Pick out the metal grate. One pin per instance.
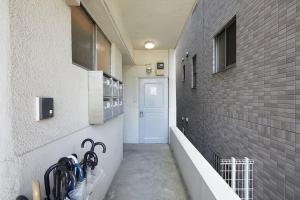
(238, 173)
(216, 159)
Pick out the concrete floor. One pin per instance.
(148, 172)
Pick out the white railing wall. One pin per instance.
(201, 179)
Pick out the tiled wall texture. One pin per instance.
(252, 109)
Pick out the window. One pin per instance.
(194, 72)
(183, 73)
(90, 47)
(103, 48)
(82, 38)
(225, 47)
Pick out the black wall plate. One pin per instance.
(44, 108)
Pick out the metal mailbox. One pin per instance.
(115, 88)
(105, 97)
(108, 110)
(107, 86)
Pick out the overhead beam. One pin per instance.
(73, 2)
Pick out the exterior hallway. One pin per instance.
(147, 172)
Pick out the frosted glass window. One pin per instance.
(103, 52)
(82, 38)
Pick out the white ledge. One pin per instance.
(201, 179)
(73, 2)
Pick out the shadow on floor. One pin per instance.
(148, 172)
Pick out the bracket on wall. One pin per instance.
(148, 68)
(187, 54)
(73, 2)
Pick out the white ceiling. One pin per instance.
(161, 21)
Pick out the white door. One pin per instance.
(153, 104)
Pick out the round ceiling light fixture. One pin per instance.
(149, 45)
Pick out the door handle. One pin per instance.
(141, 114)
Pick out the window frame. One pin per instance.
(98, 29)
(94, 45)
(93, 41)
(216, 67)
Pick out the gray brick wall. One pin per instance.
(252, 109)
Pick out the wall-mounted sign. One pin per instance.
(153, 91)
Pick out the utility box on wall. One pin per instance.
(44, 108)
(160, 69)
(105, 97)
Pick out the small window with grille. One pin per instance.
(225, 47)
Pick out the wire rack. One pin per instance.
(216, 159)
(238, 173)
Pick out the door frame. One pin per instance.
(138, 94)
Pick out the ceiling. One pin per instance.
(161, 21)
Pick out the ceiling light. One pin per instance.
(149, 45)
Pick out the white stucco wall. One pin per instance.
(39, 48)
(131, 75)
(172, 88)
(42, 66)
(34, 163)
(116, 62)
(4, 81)
(8, 184)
